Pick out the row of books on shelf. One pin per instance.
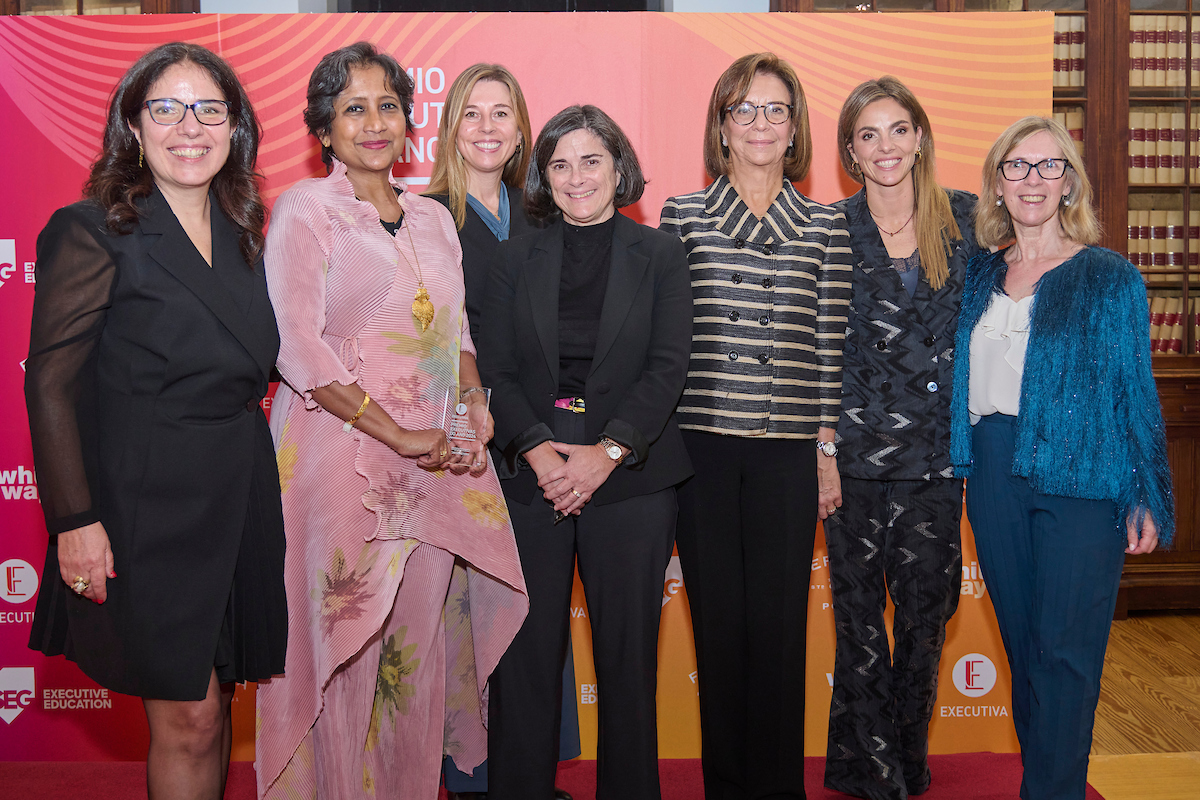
(1072, 120)
(1167, 322)
(1158, 151)
(1156, 241)
(1070, 43)
(1158, 55)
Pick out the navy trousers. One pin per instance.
(1052, 567)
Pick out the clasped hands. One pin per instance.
(569, 483)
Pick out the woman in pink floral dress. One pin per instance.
(404, 584)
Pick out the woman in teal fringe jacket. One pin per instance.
(1056, 421)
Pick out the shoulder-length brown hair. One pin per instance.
(539, 199)
(732, 88)
(449, 170)
(933, 217)
(994, 226)
(117, 180)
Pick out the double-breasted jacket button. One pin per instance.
(929, 340)
(762, 358)
(768, 249)
(251, 405)
(734, 316)
(932, 386)
(767, 283)
(736, 277)
(739, 242)
(764, 320)
(886, 386)
(733, 355)
(881, 345)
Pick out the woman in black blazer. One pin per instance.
(897, 530)
(152, 341)
(585, 342)
(480, 180)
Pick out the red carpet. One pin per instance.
(967, 776)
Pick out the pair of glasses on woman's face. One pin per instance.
(1049, 168)
(169, 111)
(745, 112)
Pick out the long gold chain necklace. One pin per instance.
(422, 307)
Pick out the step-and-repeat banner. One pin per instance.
(974, 73)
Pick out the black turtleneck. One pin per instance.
(587, 255)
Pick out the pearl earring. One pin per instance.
(999, 202)
(1066, 201)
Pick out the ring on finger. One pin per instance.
(577, 494)
(80, 584)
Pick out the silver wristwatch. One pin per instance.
(828, 448)
(612, 450)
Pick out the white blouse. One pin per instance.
(998, 357)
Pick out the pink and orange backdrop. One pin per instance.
(975, 73)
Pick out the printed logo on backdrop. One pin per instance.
(972, 581)
(974, 676)
(8, 263)
(16, 691)
(18, 581)
(18, 483)
(75, 699)
(673, 580)
(426, 116)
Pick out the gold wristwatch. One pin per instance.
(612, 450)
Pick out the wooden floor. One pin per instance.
(1147, 738)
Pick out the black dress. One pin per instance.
(145, 371)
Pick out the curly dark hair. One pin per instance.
(332, 75)
(539, 202)
(117, 180)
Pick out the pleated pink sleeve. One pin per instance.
(297, 267)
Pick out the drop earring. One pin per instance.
(140, 154)
(999, 201)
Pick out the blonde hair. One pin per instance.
(732, 88)
(993, 224)
(449, 170)
(933, 218)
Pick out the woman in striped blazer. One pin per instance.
(771, 275)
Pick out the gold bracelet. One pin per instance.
(349, 425)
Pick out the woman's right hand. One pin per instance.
(428, 447)
(85, 553)
(543, 459)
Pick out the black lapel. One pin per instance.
(175, 253)
(624, 278)
(543, 273)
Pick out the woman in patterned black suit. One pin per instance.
(898, 526)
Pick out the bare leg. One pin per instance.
(227, 690)
(189, 753)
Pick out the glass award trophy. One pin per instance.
(464, 413)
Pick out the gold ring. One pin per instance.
(577, 494)
(80, 585)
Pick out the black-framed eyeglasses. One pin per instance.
(1049, 168)
(745, 112)
(169, 111)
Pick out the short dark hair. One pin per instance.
(118, 179)
(539, 202)
(332, 75)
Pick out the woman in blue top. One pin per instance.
(1061, 433)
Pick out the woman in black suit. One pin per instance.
(152, 341)
(480, 171)
(480, 180)
(585, 342)
(897, 531)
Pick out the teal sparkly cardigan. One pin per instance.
(1090, 424)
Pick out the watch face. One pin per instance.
(614, 451)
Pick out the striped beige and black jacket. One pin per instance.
(771, 297)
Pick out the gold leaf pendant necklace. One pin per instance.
(422, 307)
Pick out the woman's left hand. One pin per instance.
(586, 470)
(829, 486)
(1149, 536)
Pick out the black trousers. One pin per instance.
(747, 521)
(902, 538)
(623, 549)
